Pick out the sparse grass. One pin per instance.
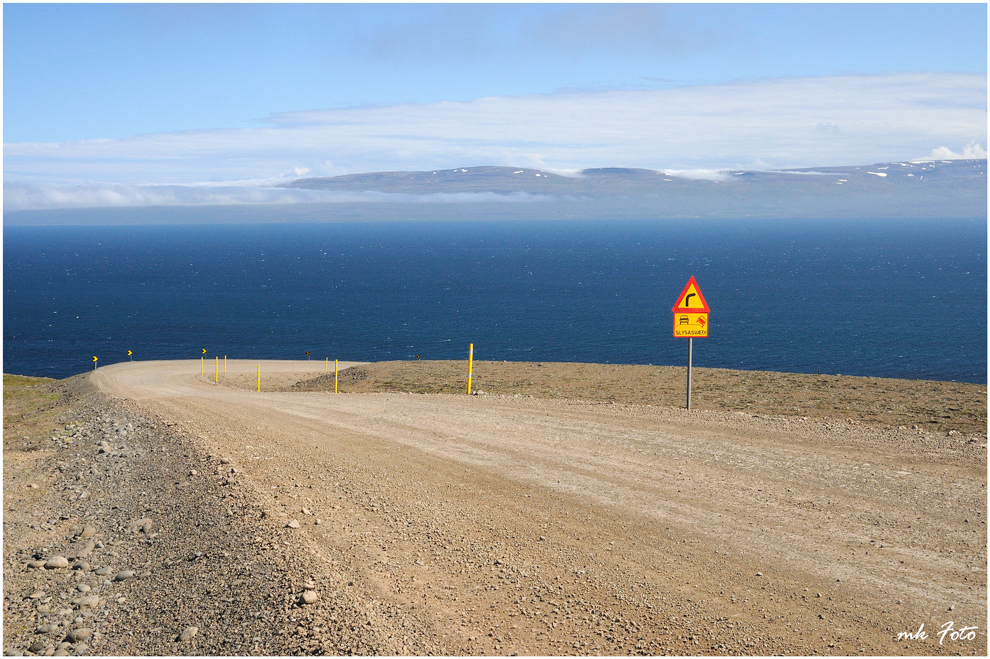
(29, 407)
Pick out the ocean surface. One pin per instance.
(904, 299)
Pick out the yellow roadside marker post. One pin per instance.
(216, 375)
(225, 364)
(202, 364)
(334, 375)
(94, 362)
(130, 355)
(259, 378)
(326, 365)
(470, 365)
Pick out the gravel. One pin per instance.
(179, 551)
(513, 526)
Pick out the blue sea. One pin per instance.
(904, 299)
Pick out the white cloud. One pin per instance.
(970, 151)
(699, 174)
(33, 196)
(776, 123)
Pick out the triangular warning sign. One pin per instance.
(691, 300)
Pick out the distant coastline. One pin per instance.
(897, 190)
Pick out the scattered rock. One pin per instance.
(36, 564)
(88, 602)
(86, 549)
(87, 532)
(123, 575)
(103, 571)
(57, 562)
(80, 634)
(38, 646)
(294, 524)
(188, 633)
(309, 597)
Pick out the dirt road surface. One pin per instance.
(504, 524)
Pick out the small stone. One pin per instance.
(81, 634)
(145, 574)
(104, 571)
(318, 521)
(309, 597)
(294, 524)
(83, 588)
(759, 574)
(33, 486)
(306, 511)
(46, 629)
(87, 532)
(87, 602)
(225, 461)
(81, 565)
(56, 562)
(37, 646)
(36, 564)
(193, 472)
(124, 575)
(37, 595)
(188, 633)
(86, 549)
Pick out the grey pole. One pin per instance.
(690, 341)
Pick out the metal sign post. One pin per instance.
(690, 341)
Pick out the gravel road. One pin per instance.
(288, 522)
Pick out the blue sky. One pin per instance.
(133, 95)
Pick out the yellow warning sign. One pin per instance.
(691, 300)
(690, 325)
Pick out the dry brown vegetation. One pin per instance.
(941, 406)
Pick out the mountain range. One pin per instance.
(931, 188)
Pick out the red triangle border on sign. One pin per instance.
(701, 298)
